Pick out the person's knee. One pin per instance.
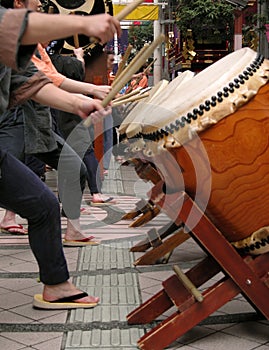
(49, 204)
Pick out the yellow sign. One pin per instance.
(141, 13)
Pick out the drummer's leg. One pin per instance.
(23, 192)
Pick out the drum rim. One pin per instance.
(155, 128)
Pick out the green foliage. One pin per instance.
(138, 36)
(210, 20)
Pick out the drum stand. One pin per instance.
(158, 249)
(146, 210)
(247, 275)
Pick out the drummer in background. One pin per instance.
(139, 80)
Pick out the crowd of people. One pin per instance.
(44, 98)
(22, 84)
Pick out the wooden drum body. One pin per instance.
(220, 148)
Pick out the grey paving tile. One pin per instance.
(237, 306)
(6, 343)
(31, 339)
(14, 299)
(40, 315)
(253, 331)
(223, 342)
(7, 317)
(22, 267)
(50, 344)
(18, 284)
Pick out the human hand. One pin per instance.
(102, 26)
(87, 106)
(79, 53)
(100, 91)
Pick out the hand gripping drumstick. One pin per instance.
(128, 73)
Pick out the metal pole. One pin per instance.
(157, 73)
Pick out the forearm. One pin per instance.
(45, 27)
(56, 98)
(98, 91)
(56, 26)
(79, 87)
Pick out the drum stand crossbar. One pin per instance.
(247, 275)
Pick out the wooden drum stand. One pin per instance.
(247, 275)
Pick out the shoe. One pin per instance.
(63, 303)
(15, 230)
(103, 202)
(80, 242)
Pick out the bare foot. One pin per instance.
(73, 231)
(65, 289)
(100, 198)
(9, 225)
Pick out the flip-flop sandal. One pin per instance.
(85, 211)
(63, 303)
(17, 230)
(80, 242)
(108, 201)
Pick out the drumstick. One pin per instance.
(130, 99)
(134, 60)
(122, 14)
(129, 73)
(123, 97)
(123, 61)
(128, 9)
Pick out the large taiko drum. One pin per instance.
(83, 8)
(216, 127)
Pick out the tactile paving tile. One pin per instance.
(114, 339)
(116, 283)
(114, 255)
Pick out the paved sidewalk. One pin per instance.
(108, 271)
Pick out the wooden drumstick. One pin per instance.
(130, 99)
(123, 61)
(122, 14)
(129, 73)
(134, 60)
(123, 97)
(128, 9)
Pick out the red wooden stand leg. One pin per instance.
(248, 276)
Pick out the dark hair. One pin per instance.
(8, 4)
